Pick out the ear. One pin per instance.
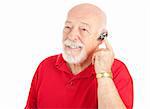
(102, 33)
(103, 30)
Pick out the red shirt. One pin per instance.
(54, 86)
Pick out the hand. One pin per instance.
(103, 58)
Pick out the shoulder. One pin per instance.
(118, 63)
(48, 61)
(120, 70)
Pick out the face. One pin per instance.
(79, 39)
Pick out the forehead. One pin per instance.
(77, 22)
(80, 19)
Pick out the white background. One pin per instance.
(32, 30)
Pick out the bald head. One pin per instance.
(84, 24)
(89, 11)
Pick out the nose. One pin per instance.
(74, 34)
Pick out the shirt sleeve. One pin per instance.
(32, 97)
(124, 83)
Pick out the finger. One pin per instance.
(93, 59)
(94, 54)
(99, 49)
(107, 44)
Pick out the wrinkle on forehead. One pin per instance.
(88, 11)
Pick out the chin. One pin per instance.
(78, 59)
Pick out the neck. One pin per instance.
(77, 68)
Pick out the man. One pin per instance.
(84, 75)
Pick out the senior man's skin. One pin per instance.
(84, 24)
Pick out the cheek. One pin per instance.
(64, 36)
(91, 46)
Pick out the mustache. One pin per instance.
(72, 43)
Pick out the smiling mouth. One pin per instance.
(73, 47)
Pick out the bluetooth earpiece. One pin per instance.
(102, 36)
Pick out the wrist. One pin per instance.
(104, 75)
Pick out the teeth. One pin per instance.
(72, 44)
(74, 47)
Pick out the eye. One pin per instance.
(84, 29)
(67, 29)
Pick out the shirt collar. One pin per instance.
(61, 64)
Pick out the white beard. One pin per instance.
(67, 55)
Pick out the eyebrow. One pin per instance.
(68, 21)
(85, 24)
(80, 22)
